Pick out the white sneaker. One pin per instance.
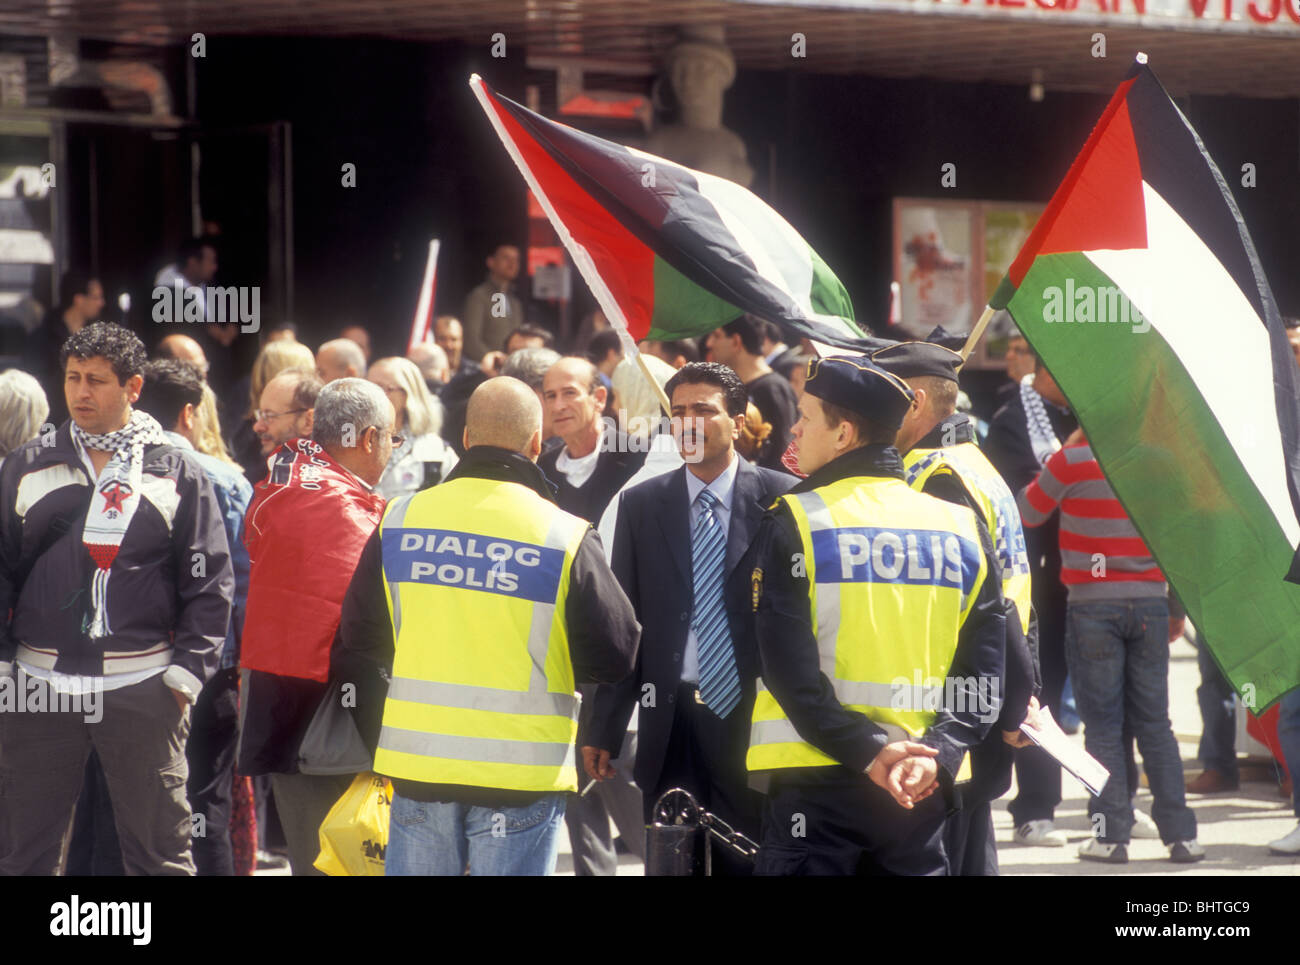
(1094, 850)
(1041, 832)
(1287, 845)
(1186, 852)
(1143, 826)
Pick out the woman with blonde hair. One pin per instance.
(207, 428)
(274, 358)
(423, 459)
(755, 432)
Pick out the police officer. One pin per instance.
(877, 623)
(489, 603)
(940, 458)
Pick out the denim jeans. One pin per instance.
(1288, 735)
(1118, 654)
(441, 838)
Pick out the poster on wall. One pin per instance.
(935, 265)
(948, 258)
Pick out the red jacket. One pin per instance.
(305, 529)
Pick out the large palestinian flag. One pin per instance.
(1140, 289)
(670, 252)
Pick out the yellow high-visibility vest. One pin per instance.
(997, 506)
(476, 575)
(892, 576)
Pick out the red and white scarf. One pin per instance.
(116, 498)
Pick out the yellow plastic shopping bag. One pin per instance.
(354, 835)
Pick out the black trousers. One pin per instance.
(969, 842)
(706, 756)
(214, 738)
(1038, 776)
(840, 823)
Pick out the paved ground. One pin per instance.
(1233, 827)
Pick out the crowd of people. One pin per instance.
(825, 599)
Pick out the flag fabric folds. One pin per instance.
(1141, 291)
(670, 252)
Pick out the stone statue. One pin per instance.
(700, 68)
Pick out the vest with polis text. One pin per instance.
(997, 505)
(476, 575)
(892, 576)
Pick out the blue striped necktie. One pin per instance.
(719, 680)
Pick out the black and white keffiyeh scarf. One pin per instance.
(1042, 437)
(117, 496)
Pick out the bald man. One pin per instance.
(500, 814)
(182, 348)
(340, 358)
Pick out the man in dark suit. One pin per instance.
(594, 462)
(680, 552)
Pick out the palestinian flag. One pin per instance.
(670, 252)
(1141, 290)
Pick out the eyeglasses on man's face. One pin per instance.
(267, 415)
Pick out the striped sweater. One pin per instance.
(1102, 555)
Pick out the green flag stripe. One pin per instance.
(828, 296)
(682, 309)
(1173, 468)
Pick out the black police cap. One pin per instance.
(910, 360)
(856, 383)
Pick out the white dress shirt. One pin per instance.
(724, 487)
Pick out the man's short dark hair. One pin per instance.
(193, 248)
(108, 340)
(602, 343)
(168, 385)
(289, 327)
(773, 332)
(528, 330)
(750, 330)
(716, 374)
(687, 348)
(869, 430)
(75, 281)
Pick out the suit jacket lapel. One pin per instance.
(676, 524)
(746, 513)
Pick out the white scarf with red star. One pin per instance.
(116, 498)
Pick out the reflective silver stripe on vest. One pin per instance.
(469, 697)
(783, 732)
(539, 633)
(868, 693)
(394, 519)
(828, 594)
(905, 697)
(484, 750)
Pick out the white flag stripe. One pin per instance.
(780, 255)
(1178, 285)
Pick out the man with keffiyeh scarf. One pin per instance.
(1032, 425)
(115, 578)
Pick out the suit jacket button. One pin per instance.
(671, 698)
(686, 616)
(677, 656)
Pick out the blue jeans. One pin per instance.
(442, 838)
(1288, 735)
(1118, 655)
